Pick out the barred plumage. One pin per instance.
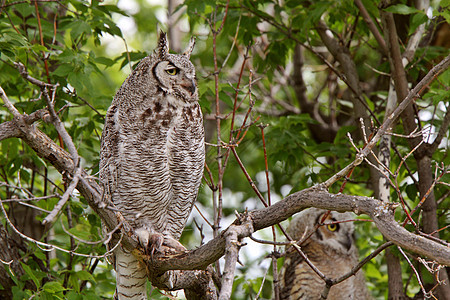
(152, 155)
(331, 249)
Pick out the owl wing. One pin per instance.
(290, 283)
(108, 170)
(186, 163)
(298, 280)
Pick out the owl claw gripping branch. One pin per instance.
(156, 244)
(152, 158)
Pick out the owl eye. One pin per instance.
(333, 227)
(172, 71)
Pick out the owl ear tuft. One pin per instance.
(163, 45)
(189, 48)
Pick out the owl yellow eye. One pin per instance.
(172, 71)
(332, 227)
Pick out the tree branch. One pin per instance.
(8, 130)
(372, 27)
(233, 238)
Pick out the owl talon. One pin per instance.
(173, 244)
(155, 244)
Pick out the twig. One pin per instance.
(310, 264)
(105, 240)
(237, 93)
(203, 217)
(252, 184)
(417, 275)
(355, 269)
(443, 130)
(65, 197)
(413, 94)
(64, 135)
(232, 45)
(28, 199)
(271, 242)
(23, 72)
(403, 159)
(262, 284)
(12, 109)
(33, 206)
(425, 196)
(276, 286)
(50, 247)
(41, 36)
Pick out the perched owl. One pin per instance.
(152, 157)
(331, 248)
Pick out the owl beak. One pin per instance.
(347, 242)
(189, 85)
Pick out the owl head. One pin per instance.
(332, 235)
(175, 73)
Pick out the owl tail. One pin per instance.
(131, 276)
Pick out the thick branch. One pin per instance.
(398, 72)
(343, 56)
(8, 130)
(379, 211)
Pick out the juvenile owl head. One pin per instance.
(175, 73)
(336, 236)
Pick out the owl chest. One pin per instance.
(159, 129)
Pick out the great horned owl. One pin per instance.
(152, 157)
(331, 248)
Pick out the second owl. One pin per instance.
(331, 248)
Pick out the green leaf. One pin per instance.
(19, 293)
(81, 231)
(372, 271)
(78, 28)
(30, 273)
(75, 80)
(411, 191)
(104, 61)
(445, 3)
(53, 287)
(402, 9)
(112, 8)
(39, 47)
(416, 21)
(63, 70)
(72, 295)
(85, 275)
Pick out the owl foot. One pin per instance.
(163, 245)
(157, 244)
